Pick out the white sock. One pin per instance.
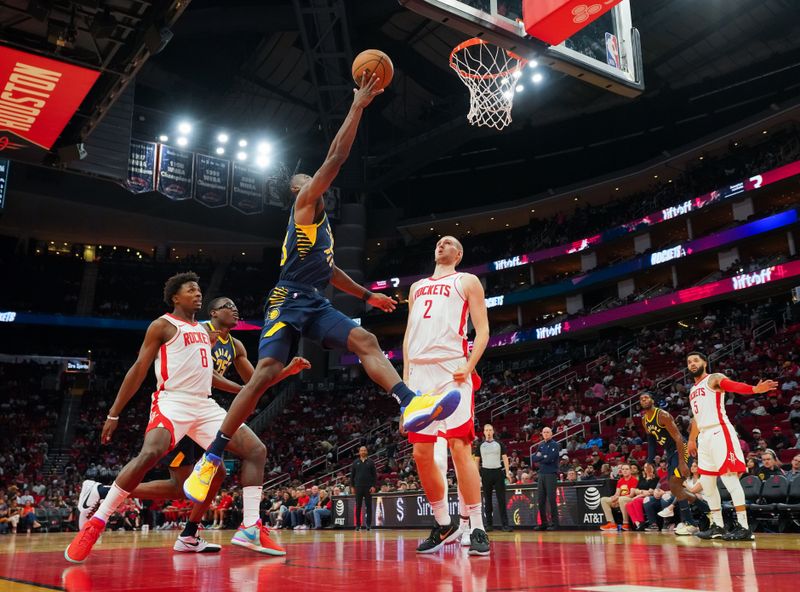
(440, 513)
(251, 499)
(463, 512)
(716, 516)
(475, 516)
(114, 499)
(742, 518)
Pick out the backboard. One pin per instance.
(606, 53)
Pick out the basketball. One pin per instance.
(373, 60)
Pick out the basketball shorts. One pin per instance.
(672, 464)
(437, 378)
(719, 451)
(199, 418)
(185, 454)
(294, 311)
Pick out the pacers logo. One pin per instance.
(592, 498)
(274, 313)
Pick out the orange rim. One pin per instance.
(489, 76)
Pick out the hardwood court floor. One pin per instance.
(385, 561)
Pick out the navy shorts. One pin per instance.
(186, 453)
(672, 464)
(294, 311)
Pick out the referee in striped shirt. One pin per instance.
(492, 457)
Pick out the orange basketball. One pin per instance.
(373, 60)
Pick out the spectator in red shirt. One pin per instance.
(223, 507)
(623, 495)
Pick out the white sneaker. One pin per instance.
(685, 529)
(667, 512)
(465, 536)
(195, 544)
(88, 501)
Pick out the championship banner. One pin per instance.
(578, 507)
(38, 97)
(247, 189)
(175, 169)
(211, 177)
(273, 193)
(141, 167)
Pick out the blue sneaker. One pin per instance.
(423, 410)
(256, 538)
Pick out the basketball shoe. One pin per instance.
(479, 542)
(195, 544)
(423, 410)
(256, 538)
(439, 537)
(88, 501)
(82, 544)
(197, 485)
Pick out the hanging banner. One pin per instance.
(141, 167)
(211, 176)
(247, 189)
(38, 98)
(175, 169)
(274, 197)
(333, 201)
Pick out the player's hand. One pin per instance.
(108, 429)
(683, 469)
(382, 302)
(297, 365)
(462, 374)
(691, 448)
(765, 386)
(367, 90)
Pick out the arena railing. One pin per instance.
(522, 391)
(276, 481)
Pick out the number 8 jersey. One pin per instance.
(437, 326)
(183, 364)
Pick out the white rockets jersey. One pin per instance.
(437, 324)
(708, 405)
(184, 364)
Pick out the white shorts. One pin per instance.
(186, 415)
(437, 378)
(719, 451)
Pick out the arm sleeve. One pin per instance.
(502, 448)
(731, 386)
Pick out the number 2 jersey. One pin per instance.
(184, 364)
(437, 328)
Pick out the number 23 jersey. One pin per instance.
(437, 327)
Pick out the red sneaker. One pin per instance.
(626, 526)
(609, 526)
(256, 538)
(82, 544)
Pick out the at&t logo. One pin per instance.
(339, 507)
(592, 498)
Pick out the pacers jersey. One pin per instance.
(183, 364)
(658, 432)
(223, 352)
(437, 322)
(708, 405)
(307, 253)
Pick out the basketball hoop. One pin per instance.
(490, 73)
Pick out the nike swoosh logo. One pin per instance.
(251, 537)
(191, 544)
(85, 506)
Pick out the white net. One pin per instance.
(491, 74)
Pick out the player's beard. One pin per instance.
(699, 372)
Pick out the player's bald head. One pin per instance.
(454, 250)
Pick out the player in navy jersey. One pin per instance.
(297, 308)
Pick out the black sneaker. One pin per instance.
(439, 537)
(507, 528)
(478, 542)
(715, 532)
(739, 533)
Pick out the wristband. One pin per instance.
(366, 296)
(109, 418)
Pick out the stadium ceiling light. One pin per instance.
(163, 138)
(185, 127)
(264, 148)
(220, 150)
(241, 155)
(182, 141)
(519, 88)
(533, 64)
(262, 161)
(222, 138)
(537, 77)
(242, 143)
(517, 74)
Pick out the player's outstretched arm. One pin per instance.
(310, 194)
(721, 382)
(341, 281)
(158, 333)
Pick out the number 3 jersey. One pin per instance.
(184, 364)
(437, 327)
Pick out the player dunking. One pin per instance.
(181, 350)
(661, 430)
(715, 444)
(437, 359)
(226, 351)
(297, 308)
